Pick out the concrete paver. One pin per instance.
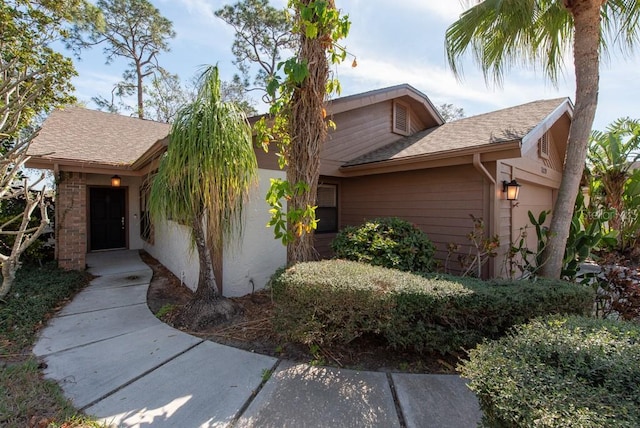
(204, 387)
(80, 329)
(96, 370)
(438, 401)
(112, 356)
(98, 299)
(122, 279)
(300, 395)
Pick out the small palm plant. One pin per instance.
(203, 182)
(611, 161)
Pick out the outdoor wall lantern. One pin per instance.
(115, 181)
(511, 189)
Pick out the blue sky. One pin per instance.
(395, 42)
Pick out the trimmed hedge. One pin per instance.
(559, 372)
(389, 241)
(336, 301)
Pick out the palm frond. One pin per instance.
(209, 166)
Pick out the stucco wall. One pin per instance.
(172, 248)
(247, 265)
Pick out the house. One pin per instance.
(391, 155)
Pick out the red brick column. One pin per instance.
(71, 220)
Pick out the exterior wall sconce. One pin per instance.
(115, 181)
(511, 189)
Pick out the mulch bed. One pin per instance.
(254, 332)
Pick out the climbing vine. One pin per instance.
(297, 123)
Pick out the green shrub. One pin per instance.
(390, 242)
(36, 293)
(336, 301)
(559, 372)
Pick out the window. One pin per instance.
(401, 118)
(146, 227)
(327, 208)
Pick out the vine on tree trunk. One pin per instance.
(298, 123)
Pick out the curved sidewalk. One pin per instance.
(116, 361)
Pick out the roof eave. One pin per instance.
(489, 152)
(38, 162)
(352, 102)
(532, 137)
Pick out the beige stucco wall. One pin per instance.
(172, 248)
(247, 265)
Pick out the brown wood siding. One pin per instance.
(361, 131)
(504, 231)
(267, 160)
(439, 201)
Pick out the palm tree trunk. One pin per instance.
(586, 16)
(308, 132)
(207, 290)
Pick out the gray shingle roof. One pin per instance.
(84, 135)
(497, 127)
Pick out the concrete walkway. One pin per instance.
(116, 361)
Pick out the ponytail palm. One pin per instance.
(504, 33)
(203, 181)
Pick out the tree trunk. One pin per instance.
(140, 92)
(9, 268)
(308, 132)
(207, 307)
(586, 16)
(207, 290)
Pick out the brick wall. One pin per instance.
(71, 220)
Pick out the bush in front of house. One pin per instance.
(559, 372)
(390, 242)
(337, 301)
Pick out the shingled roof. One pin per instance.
(82, 135)
(501, 126)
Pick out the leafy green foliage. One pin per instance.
(614, 185)
(41, 250)
(585, 236)
(263, 35)
(337, 301)
(482, 249)
(39, 291)
(390, 242)
(36, 293)
(299, 124)
(33, 77)
(559, 372)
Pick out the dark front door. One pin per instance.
(107, 214)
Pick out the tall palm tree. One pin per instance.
(502, 33)
(203, 182)
(611, 159)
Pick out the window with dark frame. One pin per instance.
(327, 208)
(146, 226)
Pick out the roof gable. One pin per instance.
(419, 102)
(81, 135)
(512, 124)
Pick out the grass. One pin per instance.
(26, 399)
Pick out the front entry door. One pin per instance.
(107, 214)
